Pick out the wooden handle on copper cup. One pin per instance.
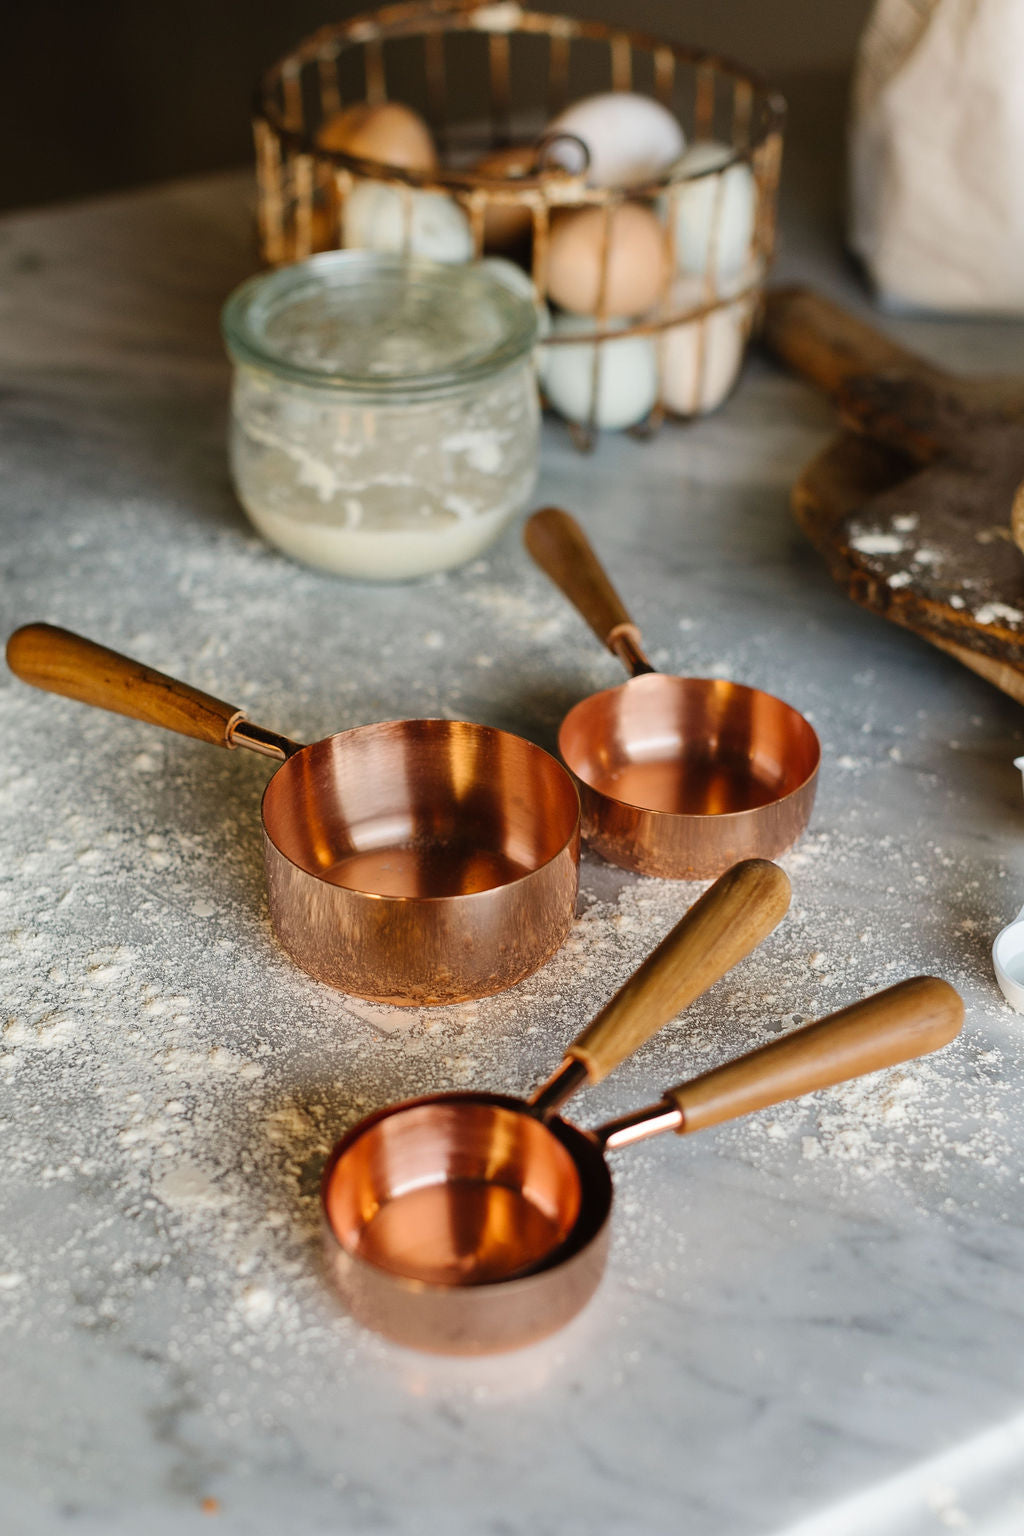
(719, 930)
(559, 546)
(907, 1020)
(61, 662)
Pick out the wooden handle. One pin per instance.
(559, 546)
(61, 662)
(829, 346)
(904, 1021)
(883, 390)
(724, 925)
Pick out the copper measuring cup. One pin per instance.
(548, 1228)
(678, 776)
(411, 862)
(430, 1202)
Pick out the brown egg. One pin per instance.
(637, 260)
(390, 133)
(506, 224)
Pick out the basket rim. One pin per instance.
(422, 17)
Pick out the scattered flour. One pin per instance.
(995, 613)
(188, 1186)
(173, 1084)
(878, 543)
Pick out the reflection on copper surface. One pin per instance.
(445, 790)
(690, 784)
(692, 746)
(464, 1232)
(462, 1223)
(421, 861)
(453, 1190)
(681, 776)
(441, 870)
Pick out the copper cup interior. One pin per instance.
(421, 808)
(462, 1190)
(689, 746)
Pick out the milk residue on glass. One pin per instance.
(385, 416)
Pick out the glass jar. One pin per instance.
(385, 417)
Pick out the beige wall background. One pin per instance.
(103, 94)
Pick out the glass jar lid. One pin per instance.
(380, 325)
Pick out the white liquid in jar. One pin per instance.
(385, 415)
(397, 554)
(384, 492)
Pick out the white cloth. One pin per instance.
(937, 154)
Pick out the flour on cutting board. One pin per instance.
(901, 561)
(993, 613)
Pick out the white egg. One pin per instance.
(519, 281)
(701, 358)
(374, 218)
(631, 138)
(513, 276)
(627, 381)
(714, 215)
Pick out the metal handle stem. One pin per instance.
(638, 1126)
(626, 642)
(245, 733)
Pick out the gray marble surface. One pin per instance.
(812, 1323)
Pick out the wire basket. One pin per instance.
(513, 70)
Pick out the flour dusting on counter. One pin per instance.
(835, 1285)
(214, 1149)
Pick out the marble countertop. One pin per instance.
(813, 1321)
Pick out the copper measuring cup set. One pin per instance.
(430, 861)
(411, 862)
(470, 1223)
(440, 1213)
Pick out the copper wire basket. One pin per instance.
(522, 67)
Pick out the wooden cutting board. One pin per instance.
(912, 504)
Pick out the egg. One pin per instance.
(627, 383)
(389, 132)
(630, 138)
(701, 358)
(715, 214)
(514, 277)
(373, 218)
(506, 224)
(637, 259)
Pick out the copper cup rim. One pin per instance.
(680, 817)
(589, 1163)
(384, 725)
